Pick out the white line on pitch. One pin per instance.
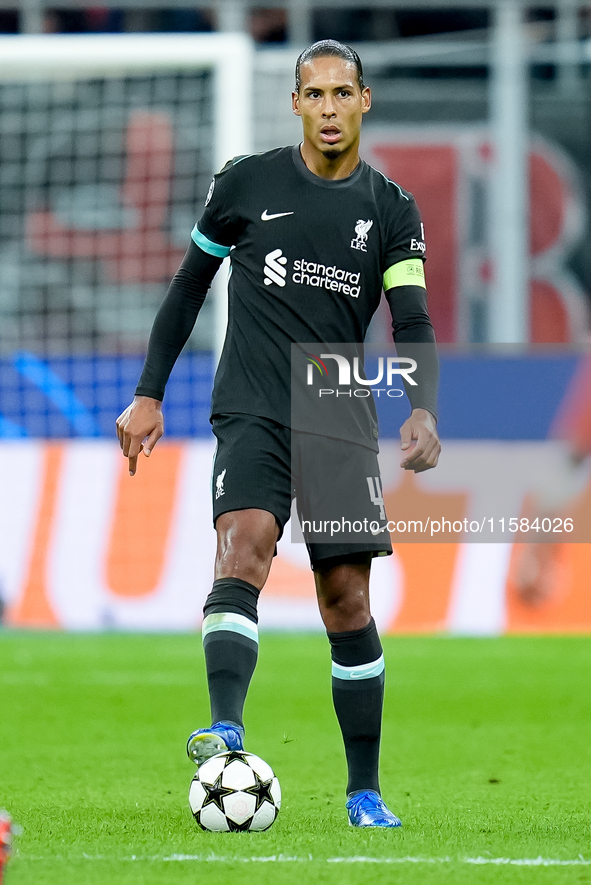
(517, 861)
(358, 859)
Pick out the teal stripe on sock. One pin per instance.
(362, 671)
(231, 622)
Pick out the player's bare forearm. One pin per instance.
(420, 429)
(139, 428)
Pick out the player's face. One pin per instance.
(331, 105)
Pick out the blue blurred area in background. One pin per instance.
(502, 397)
(493, 396)
(81, 396)
(481, 397)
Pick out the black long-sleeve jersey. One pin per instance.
(309, 258)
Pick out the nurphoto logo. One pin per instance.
(395, 367)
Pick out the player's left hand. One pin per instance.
(420, 429)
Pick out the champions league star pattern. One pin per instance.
(235, 791)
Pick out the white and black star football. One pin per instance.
(235, 791)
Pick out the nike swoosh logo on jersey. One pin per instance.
(266, 217)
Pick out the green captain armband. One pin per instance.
(405, 273)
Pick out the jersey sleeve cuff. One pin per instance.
(152, 392)
(405, 273)
(207, 245)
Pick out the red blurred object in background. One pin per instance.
(5, 841)
(448, 171)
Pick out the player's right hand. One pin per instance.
(139, 428)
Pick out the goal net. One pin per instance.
(108, 147)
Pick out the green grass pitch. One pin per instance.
(486, 756)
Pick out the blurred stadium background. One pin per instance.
(112, 122)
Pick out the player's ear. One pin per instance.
(365, 100)
(295, 103)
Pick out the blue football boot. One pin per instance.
(367, 809)
(219, 738)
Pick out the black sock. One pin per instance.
(230, 642)
(358, 695)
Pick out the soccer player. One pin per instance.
(313, 233)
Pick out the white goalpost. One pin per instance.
(108, 146)
(228, 56)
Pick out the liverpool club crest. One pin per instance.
(361, 229)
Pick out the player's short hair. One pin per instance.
(324, 48)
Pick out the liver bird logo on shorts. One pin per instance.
(362, 229)
(219, 484)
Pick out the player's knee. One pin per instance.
(349, 604)
(245, 545)
(344, 600)
(343, 592)
(258, 551)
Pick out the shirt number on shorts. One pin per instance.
(375, 494)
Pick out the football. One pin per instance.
(235, 792)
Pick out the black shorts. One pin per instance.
(264, 465)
